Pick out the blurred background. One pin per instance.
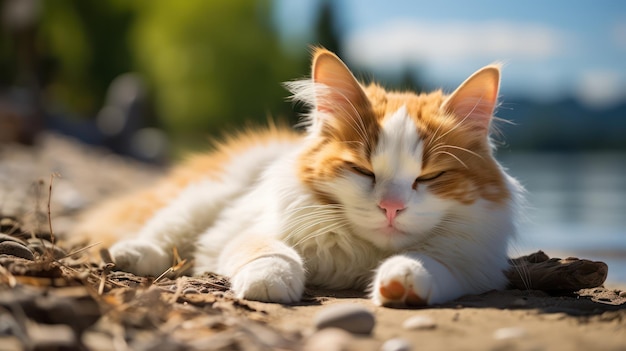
(152, 79)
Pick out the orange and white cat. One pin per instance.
(394, 191)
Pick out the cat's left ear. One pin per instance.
(474, 101)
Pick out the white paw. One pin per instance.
(140, 257)
(403, 281)
(270, 279)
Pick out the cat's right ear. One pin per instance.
(336, 89)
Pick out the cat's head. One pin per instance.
(398, 165)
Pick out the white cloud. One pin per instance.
(599, 88)
(409, 42)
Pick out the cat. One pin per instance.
(394, 193)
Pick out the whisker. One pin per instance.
(308, 225)
(320, 232)
(357, 122)
(324, 207)
(462, 120)
(451, 155)
(457, 148)
(304, 218)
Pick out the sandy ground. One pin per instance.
(192, 318)
(510, 320)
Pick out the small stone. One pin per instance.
(329, 339)
(353, 318)
(6, 237)
(43, 247)
(97, 340)
(419, 322)
(190, 291)
(396, 344)
(9, 225)
(622, 293)
(509, 333)
(52, 337)
(16, 249)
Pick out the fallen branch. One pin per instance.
(539, 272)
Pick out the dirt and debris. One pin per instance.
(59, 298)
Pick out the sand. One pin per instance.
(505, 320)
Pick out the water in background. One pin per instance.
(576, 206)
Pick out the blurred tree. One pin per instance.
(206, 63)
(211, 63)
(83, 48)
(409, 81)
(326, 28)
(328, 35)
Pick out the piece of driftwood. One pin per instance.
(539, 272)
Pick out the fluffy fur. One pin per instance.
(392, 190)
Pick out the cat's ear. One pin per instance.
(475, 100)
(337, 90)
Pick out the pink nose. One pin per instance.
(391, 208)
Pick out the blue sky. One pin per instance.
(549, 48)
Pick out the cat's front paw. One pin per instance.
(270, 279)
(140, 257)
(403, 281)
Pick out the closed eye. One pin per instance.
(361, 171)
(429, 176)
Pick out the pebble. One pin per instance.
(190, 291)
(9, 225)
(42, 246)
(509, 333)
(6, 237)
(329, 339)
(622, 293)
(396, 344)
(52, 337)
(16, 249)
(353, 318)
(419, 322)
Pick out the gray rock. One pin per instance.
(16, 249)
(10, 226)
(509, 333)
(419, 322)
(44, 247)
(329, 339)
(52, 337)
(396, 344)
(6, 237)
(353, 318)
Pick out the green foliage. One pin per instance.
(326, 31)
(211, 63)
(207, 63)
(82, 47)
